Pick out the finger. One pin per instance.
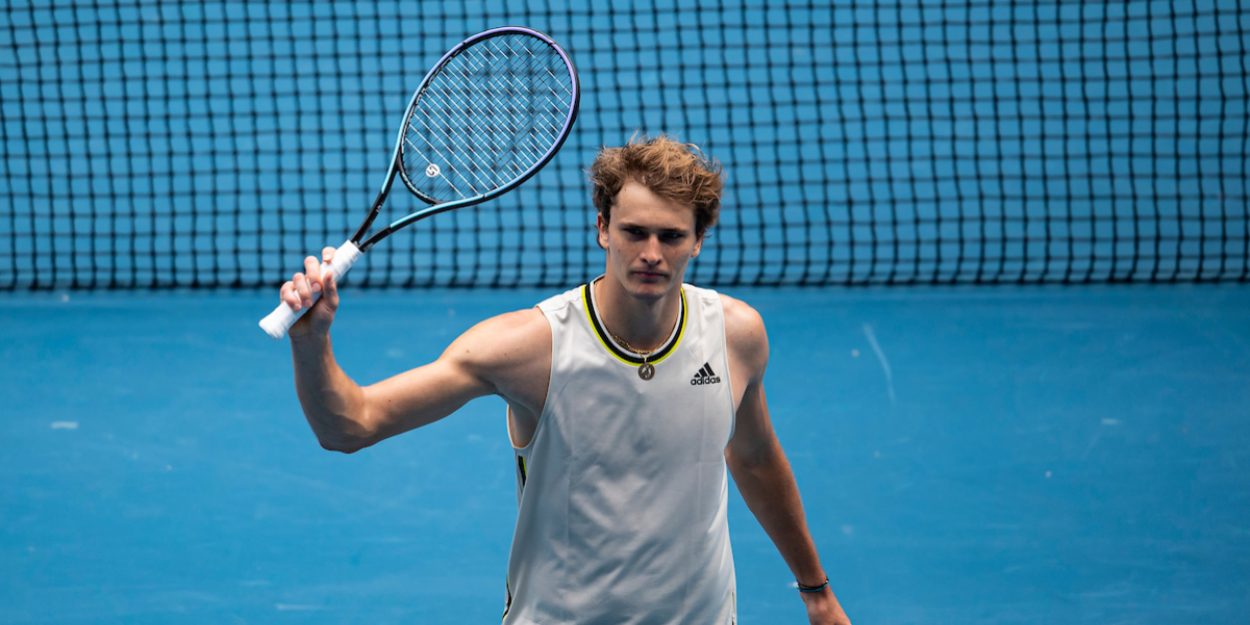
(331, 295)
(287, 294)
(302, 292)
(312, 268)
(327, 254)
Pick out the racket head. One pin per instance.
(491, 113)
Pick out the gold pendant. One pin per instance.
(646, 371)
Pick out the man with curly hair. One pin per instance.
(630, 399)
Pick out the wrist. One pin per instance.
(309, 339)
(811, 589)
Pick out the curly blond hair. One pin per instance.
(675, 171)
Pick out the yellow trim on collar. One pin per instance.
(604, 341)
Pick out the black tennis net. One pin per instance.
(155, 145)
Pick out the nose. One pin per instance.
(651, 251)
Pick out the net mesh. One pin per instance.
(155, 145)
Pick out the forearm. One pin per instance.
(768, 487)
(333, 404)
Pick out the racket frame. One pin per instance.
(397, 157)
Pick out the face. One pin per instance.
(649, 241)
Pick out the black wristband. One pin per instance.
(819, 588)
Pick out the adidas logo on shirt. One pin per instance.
(705, 376)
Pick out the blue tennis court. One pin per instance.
(1002, 250)
(1014, 455)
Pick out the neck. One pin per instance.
(645, 324)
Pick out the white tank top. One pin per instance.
(623, 491)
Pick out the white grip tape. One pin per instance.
(279, 321)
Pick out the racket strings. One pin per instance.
(483, 105)
(521, 137)
(542, 81)
(491, 113)
(469, 162)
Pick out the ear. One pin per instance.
(698, 245)
(602, 227)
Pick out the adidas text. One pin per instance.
(705, 375)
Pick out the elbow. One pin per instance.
(344, 433)
(343, 444)
(737, 464)
(751, 460)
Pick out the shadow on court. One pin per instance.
(1039, 455)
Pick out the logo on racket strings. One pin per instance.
(432, 171)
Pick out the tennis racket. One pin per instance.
(489, 115)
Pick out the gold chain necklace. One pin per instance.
(646, 370)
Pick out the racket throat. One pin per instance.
(368, 243)
(374, 211)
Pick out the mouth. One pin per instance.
(650, 276)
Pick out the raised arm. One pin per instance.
(508, 355)
(760, 468)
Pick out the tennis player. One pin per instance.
(627, 400)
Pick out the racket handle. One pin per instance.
(280, 320)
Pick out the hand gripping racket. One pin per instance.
(491, 113)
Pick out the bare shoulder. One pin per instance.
(503, 339)
(743, 325)
(745, 333)
(517, 321)
(510, 353)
